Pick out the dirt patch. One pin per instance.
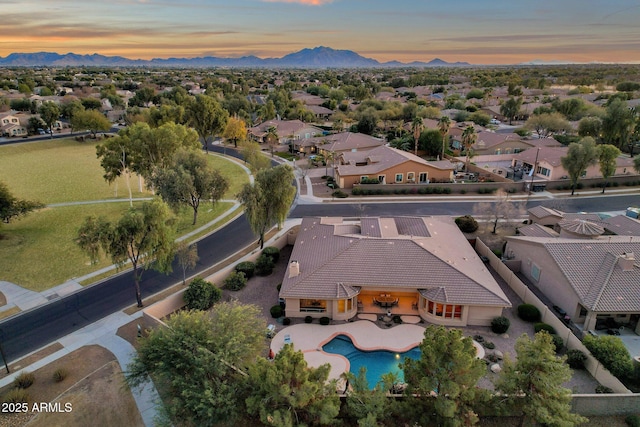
(33, 358)
(3, 299)
(87, 374)
(129, 332)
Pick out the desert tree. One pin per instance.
(49, 113)
(502, 210)
(189, 180)
(511, 108)
(11, 207)
(580, 156)
(267, 200)
(272, 138)
(618, 124)
(235, 131)
(116, 160)
(607, 155)
(143, 237)
(252, 155)
(533, 383)
(187, 256)
(92, 120)
(207, 117)
(547, 124)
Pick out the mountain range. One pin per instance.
(319, 57)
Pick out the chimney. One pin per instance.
(626, 261)
(294, 269)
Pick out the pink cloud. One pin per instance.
(307, 2)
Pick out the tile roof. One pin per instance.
(537, 230)
(426, 253)
(622, 225)
(593, 269)
(544, 212)
(581, 227)
(382, 158)
(346, 141)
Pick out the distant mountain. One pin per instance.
(318, 57)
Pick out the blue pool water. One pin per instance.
(378, 362)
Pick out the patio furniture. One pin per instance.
(287, 339)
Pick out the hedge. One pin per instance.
(529, 313)
(272, 252)
(500, 325)
(201, 295)
(247, 267)
(264, 265)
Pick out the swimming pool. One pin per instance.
(378, 362)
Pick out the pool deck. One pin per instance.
(309, 338)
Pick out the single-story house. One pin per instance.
(287, 130)
(592, 277)
(390, 165)
(419, 266)
(338, 143)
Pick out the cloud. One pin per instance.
(305, 2)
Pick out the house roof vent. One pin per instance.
(294, 269)
(626, 261)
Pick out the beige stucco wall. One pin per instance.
(482, 316)
(509, 145)
(347, 181)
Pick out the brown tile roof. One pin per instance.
(382, 158)
(426, 253)
(592, 268)
(346, 141)
(622, 225)
(581, 227)
(537, 230)
(487, 140)
(544, 212)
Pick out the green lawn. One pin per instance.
(38, 251)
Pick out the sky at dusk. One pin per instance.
(476, 31)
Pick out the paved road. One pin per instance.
(35, 328)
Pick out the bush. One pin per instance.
(201, 295)
(543, 327)
(236, 281)
(601, 389)
(397, 319)
(246, 267)
(488, 344)
(24, 380)
(264, 265)
(576, 359)
(286, 321)
(500, 325)
(632, 420)
(467, 224)
(16, 395)
(529, 313)
(308, 319)
(339, 194)
(273, 252)
(557, 342)
(276, 311)
(611, 352)
(478, 338)
(59, 375)
(325, 321)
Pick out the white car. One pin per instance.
(495, 122)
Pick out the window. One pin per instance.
(498, 151)
(411, 177)
(516, 150)
(399, 177)
(381, 179)
(423, 177)
(535, 272)
(313, 305)
(445, 311)
(543, 171)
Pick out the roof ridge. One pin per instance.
(606, 279)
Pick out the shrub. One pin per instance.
(276, 311)
(478, 338)
(601, 389)
(273, 252)
(557, 342)
(446, 190)
(235, 281)
(59, 375)
(632, 420)
(500, 325)
(247, 267)
(576, 359)
(339, 194)
(324, 321)
(308, 319)
(529, 313)
(488, 344)
(467, 224)
(24, 380)
(16, 395)
(397, 319)
(543, 327)
(286, 321)
(201, 295)
(611, 352)
(264, 265)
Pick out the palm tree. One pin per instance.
(469, 137)
(443, 126)
(272, 137)
(329, 156)
(416, 128)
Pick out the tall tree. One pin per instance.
(501, 209)
(12, 207)
(580, 156)
(363, 402)
(272, 138)
(469, 137)
(142, 236)
(187, 256)
(534, 383)
(115, 159)
(607, 155)
(590, 126)
(188, 180)
(92, 120)
(69, 109)
(443, 381)
(235, 131)
(207, 117)
(547, 124)
(252, 155)
(618, 124)
(200, 358)
(444, 124)
(286, 392)
(511, 108)
(268, 199)
(49, 113)
(416, 129)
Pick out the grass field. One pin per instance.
(38, 251)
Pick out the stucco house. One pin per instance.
(288, 131)
(10, 125)
(592, 277)
(337, 143)
(419, 266)
(390, 165)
